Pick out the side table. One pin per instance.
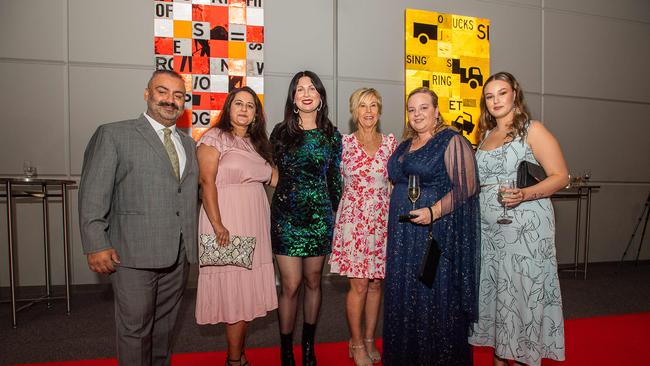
(42, 189)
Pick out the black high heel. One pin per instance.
(242, 361)
(286, 350)
(308, 353)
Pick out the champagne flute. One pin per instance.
(414, 188)
(505, 184)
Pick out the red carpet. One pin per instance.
(609, 340)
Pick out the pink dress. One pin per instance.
(228, 294)
(359, 243)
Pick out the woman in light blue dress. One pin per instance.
(520, 305)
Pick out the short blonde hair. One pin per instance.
(363, 95)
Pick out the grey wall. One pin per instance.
(68, 66)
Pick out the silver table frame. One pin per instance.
(11, 193)
(578, 192)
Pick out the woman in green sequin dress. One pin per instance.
(307, 152)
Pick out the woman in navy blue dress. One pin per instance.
(422, 325)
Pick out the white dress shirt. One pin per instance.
(176, 139)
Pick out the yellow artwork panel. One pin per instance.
(450, 54)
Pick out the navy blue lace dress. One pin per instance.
(422, 325)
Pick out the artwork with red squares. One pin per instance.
(216, 45)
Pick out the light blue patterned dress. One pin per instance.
(520, 305)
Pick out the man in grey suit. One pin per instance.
(138, 217)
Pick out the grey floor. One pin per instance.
(49, 335)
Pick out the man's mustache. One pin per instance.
(165, 104)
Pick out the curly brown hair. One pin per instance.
(521, 114)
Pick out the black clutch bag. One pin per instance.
(429, 264)
(529, 174)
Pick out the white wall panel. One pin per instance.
(117, 31)
(34, 118)
(101, 95)
(33, 29)
(596, 57)
(299, 35)
(610, 138)
(636, 10)
(614, 213)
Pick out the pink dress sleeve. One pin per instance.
(214, 138)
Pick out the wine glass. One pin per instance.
(504, 184)
(586, 174)
(414, 188)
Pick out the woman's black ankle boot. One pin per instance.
(308, 354)
(286, 350)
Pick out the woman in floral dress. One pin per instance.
(359, 244)
(520, 305)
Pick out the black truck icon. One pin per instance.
(465, 126)
(471, 75)
(425, 32)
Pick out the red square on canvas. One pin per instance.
(163, 46)
(254, 34)
(216, 15)
(218, 49)
(185, 120)
(198, 13)
(218, 99)
(200, 65)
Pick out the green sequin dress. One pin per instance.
(307, 195)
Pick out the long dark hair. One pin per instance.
(288, 132)
(521, 114)
(256, 130)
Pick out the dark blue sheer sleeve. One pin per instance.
(462, 203)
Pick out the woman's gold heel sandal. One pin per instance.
(373, 353)
(359, 358)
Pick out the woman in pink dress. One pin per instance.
(359, 243)
(234, 164)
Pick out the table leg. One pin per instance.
(46, 245)
(66, 245)
(587, 231)
(10, 241)
(576, 254)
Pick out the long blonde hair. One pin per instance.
(521, 114)
(409, 132)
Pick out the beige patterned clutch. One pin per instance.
(238, 252)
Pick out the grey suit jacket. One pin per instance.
(130, 199)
